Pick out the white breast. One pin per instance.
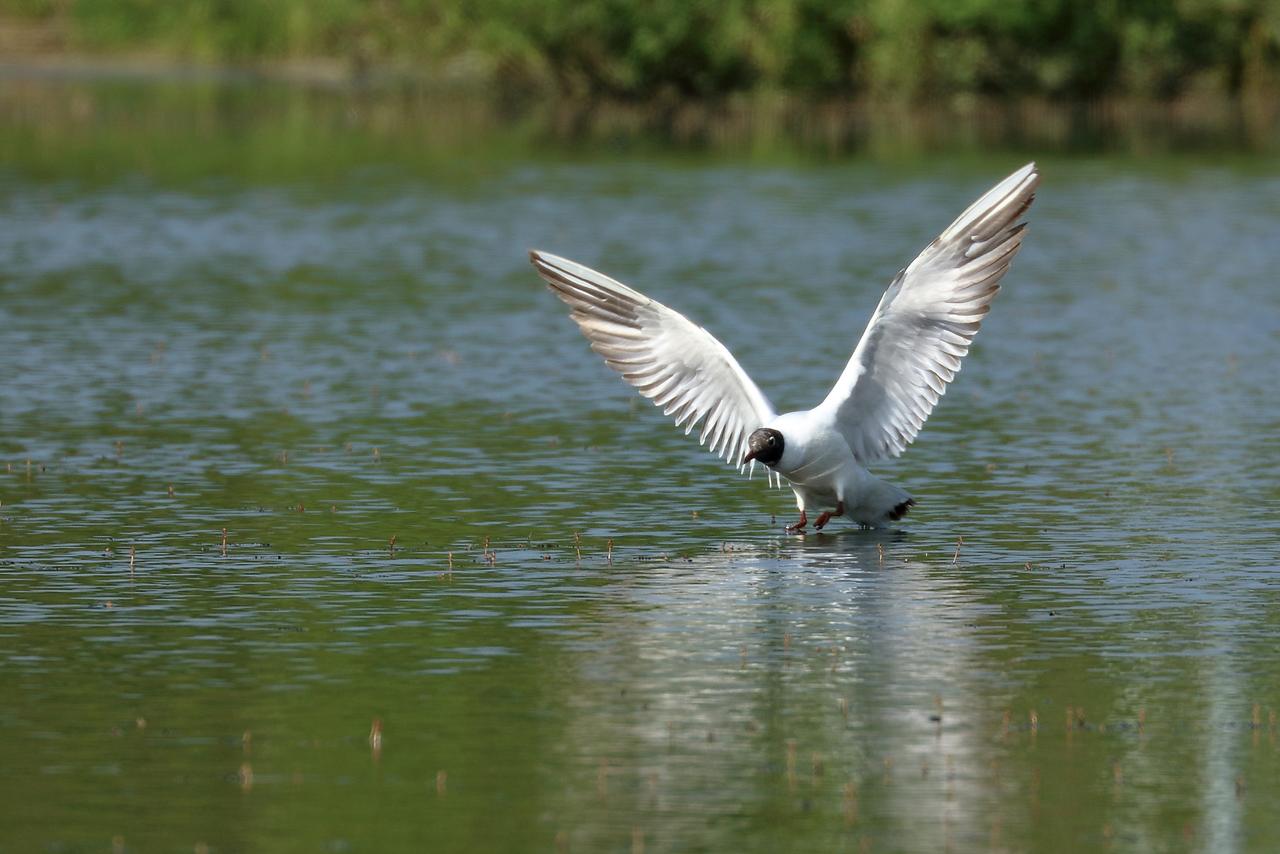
(814, 454)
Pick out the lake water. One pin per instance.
(473, 594)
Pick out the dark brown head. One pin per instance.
(765, 445)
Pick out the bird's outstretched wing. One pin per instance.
(926, 321)
(679, 366)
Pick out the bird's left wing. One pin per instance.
(681, 367)
(925, 322)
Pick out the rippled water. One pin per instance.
(576, 630)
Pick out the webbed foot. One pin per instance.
(825, 516)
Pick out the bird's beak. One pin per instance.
(751, 455)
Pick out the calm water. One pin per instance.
(578, 631)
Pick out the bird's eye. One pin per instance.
(772, 441)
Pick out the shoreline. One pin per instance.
(318, 71)
(398, 102)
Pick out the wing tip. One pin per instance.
(1028, 173)
(547, 262)
(541, 262)
(998, 209)
(537, 257)
(1021, 182)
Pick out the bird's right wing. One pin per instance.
(679, 366)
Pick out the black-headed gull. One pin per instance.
(910, 350)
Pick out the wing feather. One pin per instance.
(926, 321)
(679, 366)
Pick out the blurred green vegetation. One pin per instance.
(906, 50)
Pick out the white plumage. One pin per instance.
(910, 350)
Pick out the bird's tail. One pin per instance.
(883, 503)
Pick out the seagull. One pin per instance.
(910, 350)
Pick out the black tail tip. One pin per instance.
(900, 510)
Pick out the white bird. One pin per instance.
(910, 350)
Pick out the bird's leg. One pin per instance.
(799, 525)
(825, 516)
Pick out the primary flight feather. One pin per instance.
(910, 350)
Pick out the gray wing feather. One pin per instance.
(681, 367)
(926, 321)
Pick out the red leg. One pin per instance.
(825, 516)
(799, 525)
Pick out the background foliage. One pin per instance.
(898, 49)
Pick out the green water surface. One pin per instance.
(314, 327)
